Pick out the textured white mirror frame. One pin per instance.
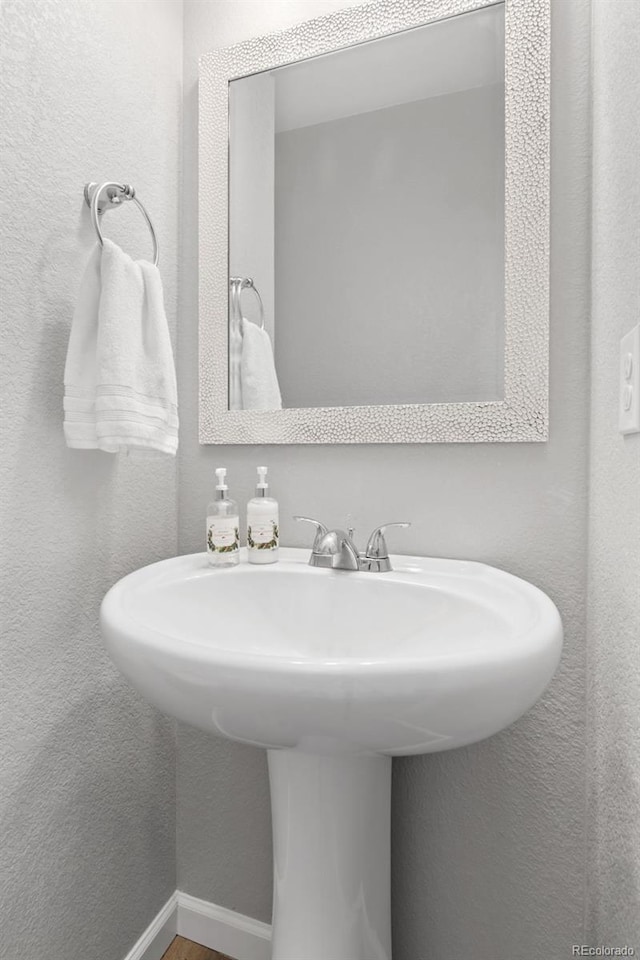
(523, 413)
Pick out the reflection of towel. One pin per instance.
(260, 389)
(235, 359)
(120, 380)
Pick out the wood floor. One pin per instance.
(181, 949)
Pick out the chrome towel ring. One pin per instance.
(238, 284)
(112, 194)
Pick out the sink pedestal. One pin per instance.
(331, 848)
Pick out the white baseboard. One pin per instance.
(224, 930)
(155, 940)
(215, 927)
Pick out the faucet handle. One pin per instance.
(321, 530)
(377, 545)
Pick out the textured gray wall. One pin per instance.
(489, 841)
(614, 523)
(386, 290)
(87, 828)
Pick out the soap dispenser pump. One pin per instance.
(262, 523)
(223, 526)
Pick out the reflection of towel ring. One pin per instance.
(100, 197)
(238, 284)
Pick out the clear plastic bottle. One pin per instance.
(223, 526)
(262, 523)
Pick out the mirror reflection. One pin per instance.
(366, 223)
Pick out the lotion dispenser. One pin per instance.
(223, 526)
(262, 523)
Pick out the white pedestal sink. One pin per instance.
(334, 673)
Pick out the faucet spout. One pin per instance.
(336, 550)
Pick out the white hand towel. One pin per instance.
(260, 388)
(119, 379)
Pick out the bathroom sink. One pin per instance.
(433, 655)
(334, 673)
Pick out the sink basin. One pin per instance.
(434, 655)
(334, 672)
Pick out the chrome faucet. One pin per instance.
(336, 550)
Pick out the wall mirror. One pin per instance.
(374, 228)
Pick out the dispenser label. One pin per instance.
(262, 535)
(223, 534)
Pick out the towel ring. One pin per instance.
(100, 198)
(238, 284)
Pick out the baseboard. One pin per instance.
(155, 940)
(215, 927)
(221, 929)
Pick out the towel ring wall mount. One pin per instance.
(238, 284)
(106, 196)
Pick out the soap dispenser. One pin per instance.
(262, 523)
(223, 526)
